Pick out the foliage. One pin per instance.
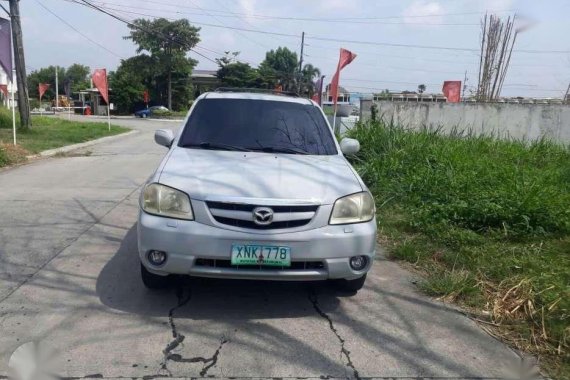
(50, 132)
(309, 75)
(129, 82)
(168, 42)
(75, 76)
(6, 118)
(233, 73)
(279, 68)
(487, 220)
(385, 94)
(421, 88)
(374, 113)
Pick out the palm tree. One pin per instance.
(309, 75)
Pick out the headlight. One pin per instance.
(355, 208)
(165, 201)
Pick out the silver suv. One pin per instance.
(255, 186)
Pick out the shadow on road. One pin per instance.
(119, 287)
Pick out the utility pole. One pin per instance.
(20, 63)
(56, 88)
(302, 49)
(300, 76)
(465, 79)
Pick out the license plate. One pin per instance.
(252, 254)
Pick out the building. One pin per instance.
(410, 96)
(91, 97)
(12, 87)
(204, 80)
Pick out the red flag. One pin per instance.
(345, 58)
(4, 89)
(100, 81)
(146, 96)
(452, 91)
(42, 88)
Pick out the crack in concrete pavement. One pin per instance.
(212, 361)
(178, 339)
(343, 350)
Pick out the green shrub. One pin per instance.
(3, 158)
(161, 113)
(6, 118)
(479, 215)
(478, 183)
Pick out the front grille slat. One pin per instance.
(252, 225)
(250, 207)
(236, 220)
(295, 265)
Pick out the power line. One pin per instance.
(316, 19)
(329, 39)
(217, 19)
(78, 31)
(131, 24)
(421, 58)
(241, 16)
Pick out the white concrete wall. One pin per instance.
(519, 121)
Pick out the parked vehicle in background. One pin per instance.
(147, 112)
(255, 186)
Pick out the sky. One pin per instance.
(365, 26)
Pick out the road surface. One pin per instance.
(69, 280)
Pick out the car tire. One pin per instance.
(143, 115)
(154, 281)
(351, 286)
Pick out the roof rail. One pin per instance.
(257, 90)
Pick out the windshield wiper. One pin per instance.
(280, 149)
(216, 146)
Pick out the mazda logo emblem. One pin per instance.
(262, 216)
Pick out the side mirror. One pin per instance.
(164, 137)
(349, 146)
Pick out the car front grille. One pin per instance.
(295, 265)
(241, 215)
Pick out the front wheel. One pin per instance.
(154, 281)
(351, 286)
(144, 115)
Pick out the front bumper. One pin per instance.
(187, 241)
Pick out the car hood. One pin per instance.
(221, 175)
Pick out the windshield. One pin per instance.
(258, 125)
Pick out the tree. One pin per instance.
(233, 73)
(77, 76)
(385, 94)
(279, 69)
(129, 82)
(309, 75)
(45, 75)
(421, 88)
(168, 42)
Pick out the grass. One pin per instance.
(46, 133)
(487, 221)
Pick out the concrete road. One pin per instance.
(69, 280)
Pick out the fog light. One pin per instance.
(358, 262)
(156, 257)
